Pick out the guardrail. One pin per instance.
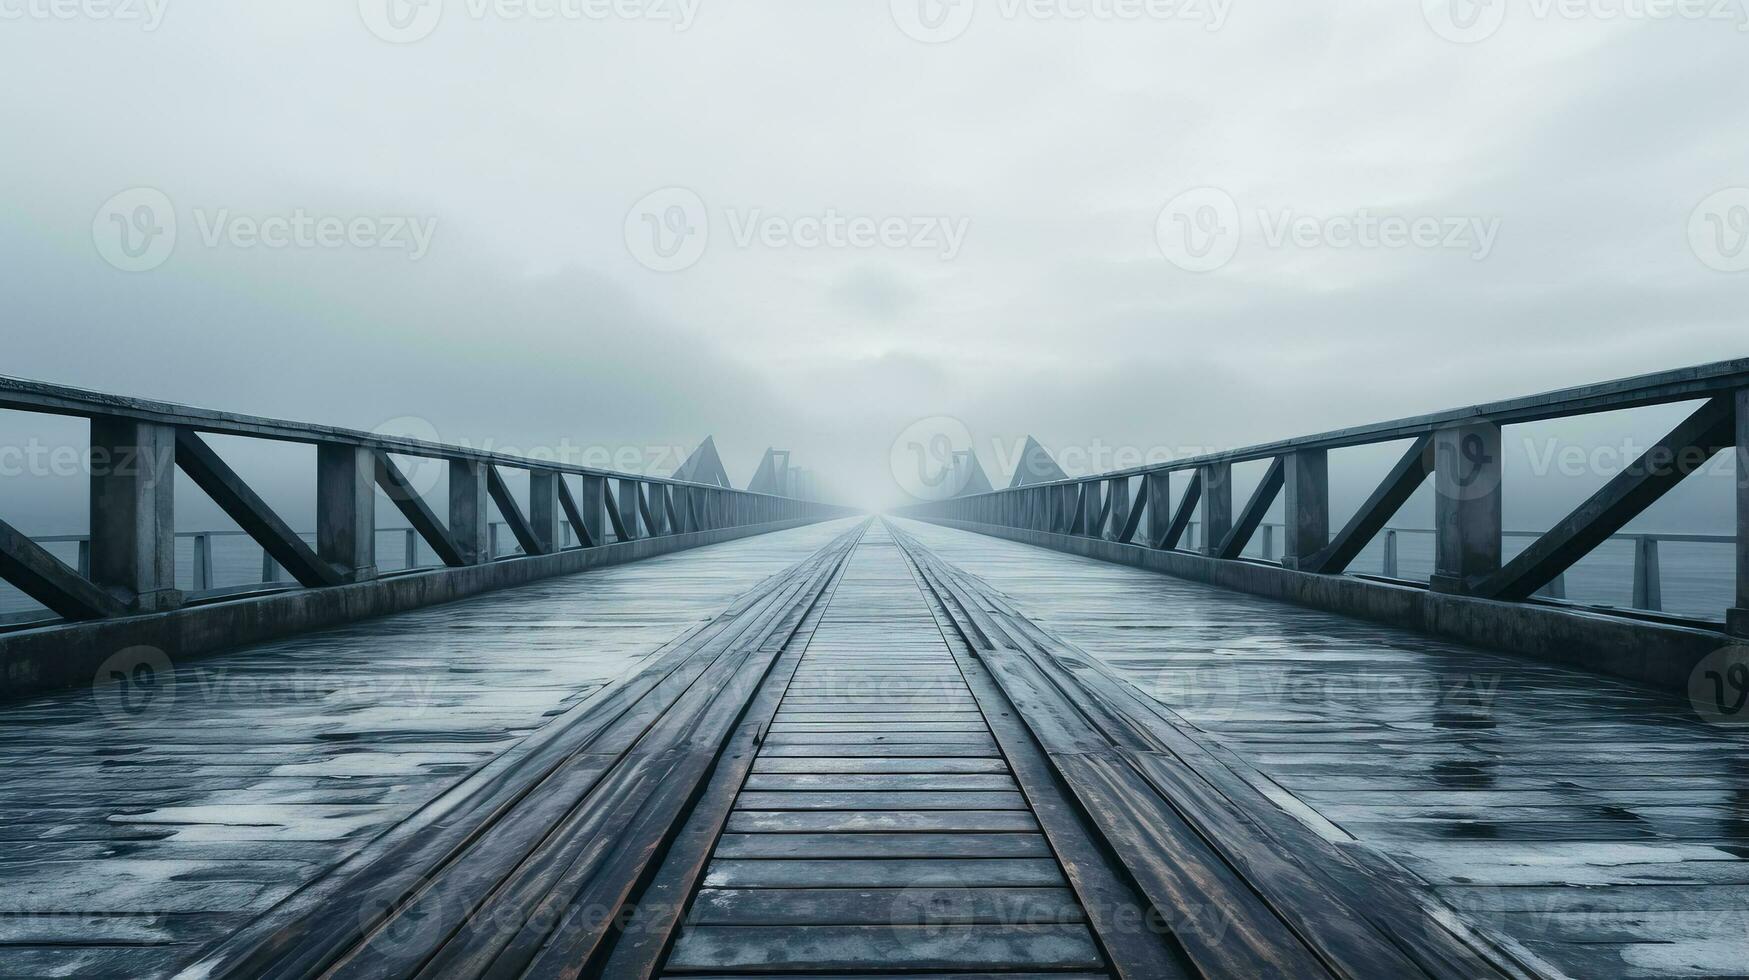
(127, 561)
(1459, 449)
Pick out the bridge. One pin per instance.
(568, 722)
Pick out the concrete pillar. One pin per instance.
(133, 512)
(468, 514)
(628, 507)
(1217, 506)
(1739, 616)
(1118, 490)
(346, 510)
(1467, 505)
(1159, 490)
(1307, 508)
(594, 495)
(544, 510)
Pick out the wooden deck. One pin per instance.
(871, 749)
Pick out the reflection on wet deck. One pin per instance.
(1596, 824)
(135, 826)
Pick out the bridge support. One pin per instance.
(1217, 506)
(468, 515)
(630, 502)
(1307, 509)
(346, 510)
(1158, 488)
(543, 511)
(133, 513)
(1467, 505)
(1739, 616)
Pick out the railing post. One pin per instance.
(628, 506)
(1118, 492)
(203, 563)
(85, 557)
(543, 510)
(492, 540)
(1217, 505)
(1467, 505)
(346, 510)
(1389, 566)
(1159, 490)
(1648, 575)
(133, 512)
(411, 544)
(1738, 617)
(592, 505)
(468, 513)
(1306, 510)
(1268, 542)
(269, 568)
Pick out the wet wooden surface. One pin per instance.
(1596, 828)
(136, 826)
(880, 828)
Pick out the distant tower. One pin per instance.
(773, 475)
(704, 466)
(968, 474)
(1036, 466)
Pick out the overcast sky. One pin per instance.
(983, 219)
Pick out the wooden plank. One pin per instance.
(822, 846)
(886, 947)
(878, 906)
(885, 873)
(880, 801)
(878, 821)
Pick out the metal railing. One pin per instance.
(127, 562)
(1459, 450)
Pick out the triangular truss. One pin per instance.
(1036, 466)
(704, 466)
